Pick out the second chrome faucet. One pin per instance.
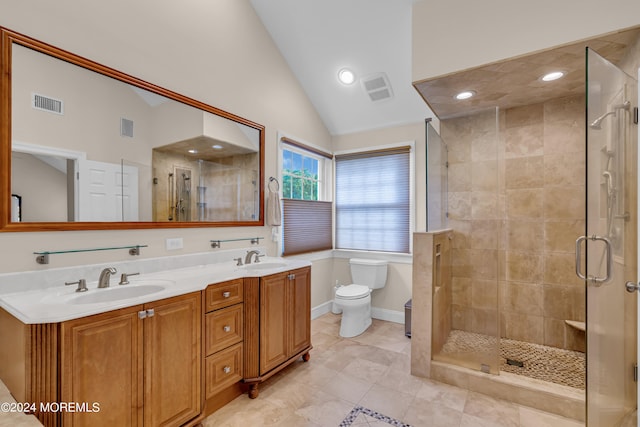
(105, 275)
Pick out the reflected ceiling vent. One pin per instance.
(46, 103)
(377, 86)
(126, 127)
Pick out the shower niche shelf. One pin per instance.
(43, 256)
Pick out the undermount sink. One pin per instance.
(265, 265)
(117, 293)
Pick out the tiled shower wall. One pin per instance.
(516, 205)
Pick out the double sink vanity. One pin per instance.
(167, 348)
(175, 338)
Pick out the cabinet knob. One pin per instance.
(291, 276)
(142, 314)
(227, 328)
(226, 369)
(151, 312)
(226, 294)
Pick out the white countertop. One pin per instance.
(58, 304)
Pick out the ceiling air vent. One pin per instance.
(46, 103)
(377, 86)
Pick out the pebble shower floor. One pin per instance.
(541, 362)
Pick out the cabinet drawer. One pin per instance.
(223, 328)
(223, 369)
(223, 294)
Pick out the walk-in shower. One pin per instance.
(515, 205)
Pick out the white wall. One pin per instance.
(217, 52)
(454, 35)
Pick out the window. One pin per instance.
(300, 174)
(306, 206)
(373, 200)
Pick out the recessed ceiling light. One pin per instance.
(192, 151)
(217, 147)
(346, 76)
(552, 76)
(465, 95)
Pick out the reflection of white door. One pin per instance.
(107, 192)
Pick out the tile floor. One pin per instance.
(370, 371)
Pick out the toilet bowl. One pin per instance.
(355, 300)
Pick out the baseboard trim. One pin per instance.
(321, 309)
(388, 315)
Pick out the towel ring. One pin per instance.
(272, 180)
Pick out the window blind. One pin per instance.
(307, 226)
(373, 200)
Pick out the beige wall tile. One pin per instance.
(560, 236)
(524, 172)
(485, 205)
(484, 294)
(559, 268)
(526, 203)
(524, 141)
(564, 202)
(484, 234)
(461, 291)
(564, 169)
(565, 136)
(564, 302)
(459, 178)
(524, 327)
(484, 263)
(484, 175)
(524, 267)
(564, 109)
(554, 332)
(459, 205)
(525, 236)
(518, 297)
(522, 116)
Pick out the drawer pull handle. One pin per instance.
(226, 369)
(227, 328)
(226, 294)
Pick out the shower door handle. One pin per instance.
(609, 256)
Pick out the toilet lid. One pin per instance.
(352, 291)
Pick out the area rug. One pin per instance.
(359, 411)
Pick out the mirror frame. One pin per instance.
(7, 39)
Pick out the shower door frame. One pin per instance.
(611, 241)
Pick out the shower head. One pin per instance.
(597, 123)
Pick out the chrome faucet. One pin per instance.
(247, 259)
(105, 275)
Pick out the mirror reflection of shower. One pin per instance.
(181, 202)
(613, 152)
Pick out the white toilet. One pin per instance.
(355, 300)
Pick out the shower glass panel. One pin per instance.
(436, 180)
(476, 215)
(611, 242)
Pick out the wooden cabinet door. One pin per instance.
(172, 353)
(274, 321)
(300, 310)
(102, 363)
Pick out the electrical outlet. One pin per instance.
(174, 244)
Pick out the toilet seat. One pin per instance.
(352, 292)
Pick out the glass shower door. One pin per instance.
(610, 242)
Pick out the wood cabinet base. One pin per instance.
(253, 383)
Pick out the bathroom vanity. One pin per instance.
(167, 358)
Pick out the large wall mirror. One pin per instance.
(93, 148)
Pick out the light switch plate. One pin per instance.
(174, 243)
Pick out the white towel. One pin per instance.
(274, 213)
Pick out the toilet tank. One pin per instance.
(369, 272)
